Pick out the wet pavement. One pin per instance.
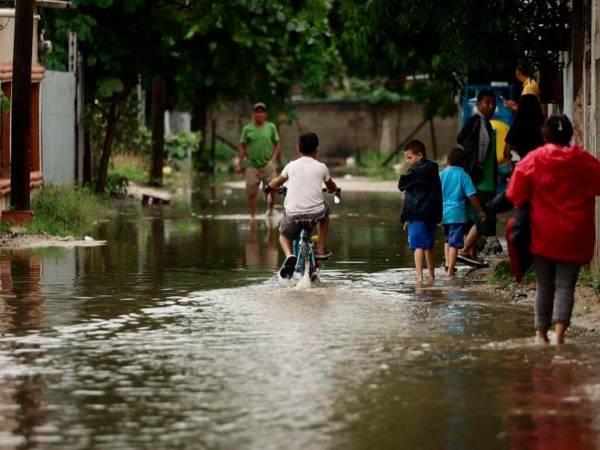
(177, 335)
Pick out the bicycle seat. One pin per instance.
(306, 223)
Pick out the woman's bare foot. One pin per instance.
(559, 333)
(541, 337)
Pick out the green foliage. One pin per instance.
(450, 40)
(500, 273)
(131, 138)
(63, 211)
(275, 45)
(178, 145)
(374, 91)
(119, 176)
(4, 103)
(587, 278)
(436, 97)
(117, 182)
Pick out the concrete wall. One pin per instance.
(343, 127)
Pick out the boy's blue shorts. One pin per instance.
(454, 234)
(421, 235)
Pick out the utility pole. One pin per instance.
(21, 114)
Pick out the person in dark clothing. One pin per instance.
(525, 134)
(422, 208)
(478, 139)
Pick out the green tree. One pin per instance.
(249, 50)
(205, 51)
(450, 40)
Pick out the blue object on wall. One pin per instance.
(469, 101)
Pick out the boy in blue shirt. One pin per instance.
(422, 205)
(457, 188)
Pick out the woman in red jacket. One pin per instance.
(560, 183)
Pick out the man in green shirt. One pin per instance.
(259, 144)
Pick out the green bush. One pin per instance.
(177, 145)
(64, 211)
(589, 279)
(120, 175)
(4, 103)
(500, 273)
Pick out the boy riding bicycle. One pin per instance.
(304, 200)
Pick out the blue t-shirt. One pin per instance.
(457, 186)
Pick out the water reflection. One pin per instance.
(21, 306)
(21, 299)
(549, 410)
(262, 247)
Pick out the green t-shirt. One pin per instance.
(260, 141)
(487, 182)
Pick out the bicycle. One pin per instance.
(303, 247)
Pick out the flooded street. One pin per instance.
(177, 335)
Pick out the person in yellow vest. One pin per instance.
(530, 86)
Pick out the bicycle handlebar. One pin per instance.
(283, 190)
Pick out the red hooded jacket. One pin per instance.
(561, 184)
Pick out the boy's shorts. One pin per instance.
(421, 235)
(454, 234)
(254, 176)
(291, 229)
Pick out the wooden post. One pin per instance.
(403, 143)
(158, 129)
(433, 139)
(21, 114)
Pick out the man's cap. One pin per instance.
(259, 105)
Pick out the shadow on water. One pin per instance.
(177, 335)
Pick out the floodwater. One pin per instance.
(177, 335)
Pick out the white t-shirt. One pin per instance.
(305, 186)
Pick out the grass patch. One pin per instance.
(587, 278)
(125, 168)
(65, 211)
(501, 274)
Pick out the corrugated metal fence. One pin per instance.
(58, 128)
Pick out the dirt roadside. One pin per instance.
(586, 313)
(20, 241)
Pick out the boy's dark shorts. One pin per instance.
(421, 235)
(488, 226)
(454, 234)
(291, 229)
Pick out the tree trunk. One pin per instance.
(87, 154)
(109, 136)
(199, 115)
(158, 129)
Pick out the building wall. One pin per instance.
(581, 82)
(344, 127)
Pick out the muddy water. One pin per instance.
(176, 335)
